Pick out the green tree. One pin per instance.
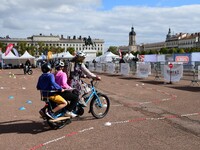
(22, 47)
(163, 50)
(99, 53)
(3, 46)
(71, 50)
(181, 51)
(143, 52)
(113, 49)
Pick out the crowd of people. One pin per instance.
(66, 80)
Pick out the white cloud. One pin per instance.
(22, 18)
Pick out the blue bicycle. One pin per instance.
(99, 107)
(99, 103)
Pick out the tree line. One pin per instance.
(165, 50)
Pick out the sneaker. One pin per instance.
(70, 114)
(50, 114)
(82, 102)
(42, 113)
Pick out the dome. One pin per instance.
(132, 32)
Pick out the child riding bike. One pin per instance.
(46, 82)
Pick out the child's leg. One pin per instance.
(60, 101)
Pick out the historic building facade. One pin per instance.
(132, 47)
(59, 41)
(178, 40)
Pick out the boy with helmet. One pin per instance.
(46, 82)
(78, 70)
(61, 79)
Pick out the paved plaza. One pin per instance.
(145, 114)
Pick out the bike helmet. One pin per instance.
(46, 67)
(59, 64)
(81, 54)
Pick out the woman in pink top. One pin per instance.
(69, 94)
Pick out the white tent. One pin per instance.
(128, 57)
(107, 57)
(26, 55)
(9, 56)
(10, 59)
(64, 55)
(67, 55)
(41, 57)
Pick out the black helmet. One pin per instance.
(46, 67)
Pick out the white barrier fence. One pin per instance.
(140, 70)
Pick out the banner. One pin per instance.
(176, 72)
(150, 58)
(8, 48)
(16, 52)
(98, 67)
(185, 58)
(125, 68)
(110, 68)
(143, 70)
(91, 66)
(195, 56)
(141, 58)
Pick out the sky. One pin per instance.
(110, 20)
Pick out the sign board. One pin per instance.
(170, 65)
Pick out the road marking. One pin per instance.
(60, 138)
(111, 123)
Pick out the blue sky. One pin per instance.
(109, 4)
(110, 20)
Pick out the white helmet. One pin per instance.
(80, 54)
(59, 64)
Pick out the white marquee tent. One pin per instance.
(64, 55)
(107, 57)
(26, 56)
(10, 59)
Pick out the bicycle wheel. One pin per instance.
(99, 106)
(57, 124)
(30, 72)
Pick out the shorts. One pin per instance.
(57, 99)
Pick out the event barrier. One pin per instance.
(158, 70)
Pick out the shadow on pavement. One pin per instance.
(155, 82)
(129, 78)
(23, 126)
(187, 88)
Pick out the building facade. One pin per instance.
(132, 47)
(59, 41)
(178, 40)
